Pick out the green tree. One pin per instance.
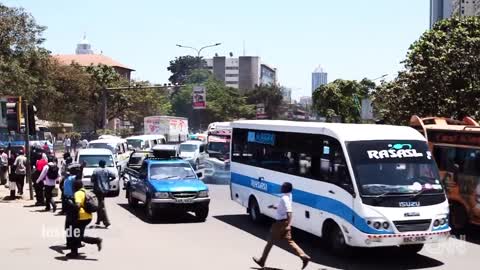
(270, 95)
(181, 67)
(23, 62)
(341, 98)
(441, 76)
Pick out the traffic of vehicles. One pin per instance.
(356, 185)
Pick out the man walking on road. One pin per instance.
(101, 178)
(281, 229)
(84, 218)
(68, 144)
(3, 167)
(50, 176)
(20, 165)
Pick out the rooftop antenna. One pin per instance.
(243, 47)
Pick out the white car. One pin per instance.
(117, 146)
(91, 158)
(194, 152)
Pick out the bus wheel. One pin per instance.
(254, 211)
(337, 241)
(458, 216)
(411, 250)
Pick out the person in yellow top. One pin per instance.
(84, 218)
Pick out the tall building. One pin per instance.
(439, 10)
(444, 9)
(287, 94)
(244, 72)
(464, 7)
(319, 77)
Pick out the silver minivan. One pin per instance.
(194, 152)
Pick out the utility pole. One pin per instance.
(104, 108)
(27, 149)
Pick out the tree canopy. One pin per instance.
(441, 76)
(181, 67)
(269, 95)
(341, 98)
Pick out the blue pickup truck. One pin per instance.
(167, 183)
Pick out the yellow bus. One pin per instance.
(456, 148)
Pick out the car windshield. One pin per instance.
(92, 161)
(188, 148)
(102, 146)
(170, 171)
(403, 167)
(135, 143)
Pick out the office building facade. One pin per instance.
(319, 77)
(244, 72)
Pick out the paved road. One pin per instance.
(29, 239)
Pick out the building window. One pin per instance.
(231, 75)
(231, 82)
(231, 68)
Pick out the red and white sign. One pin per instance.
(261, 114)
(199, 96)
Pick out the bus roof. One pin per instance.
(343, 132)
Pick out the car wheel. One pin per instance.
(201, 213)
(132, 202)
(254, 211)
(411, 250)
(149, 210)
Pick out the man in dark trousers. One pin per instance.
(101, 178)
(281, 228)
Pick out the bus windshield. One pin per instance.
(394, 167)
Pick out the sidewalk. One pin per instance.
(5, 195)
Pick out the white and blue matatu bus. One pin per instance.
(354, 184)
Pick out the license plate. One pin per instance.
(184, 200)
(414, 239)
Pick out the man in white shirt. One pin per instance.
(281, 229)
(68, 144)
(3, 167)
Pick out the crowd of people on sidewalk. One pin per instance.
(49, 178)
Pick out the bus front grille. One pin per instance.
(412, 225)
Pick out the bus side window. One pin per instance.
(339, 174)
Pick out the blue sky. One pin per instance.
(351, 39)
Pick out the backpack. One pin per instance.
(52, 172)
(91, 202)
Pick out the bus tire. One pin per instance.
(458, 216)
(254, 211)
(336, 240)
(411, 250)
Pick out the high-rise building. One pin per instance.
(439, 10)
(287, 94)
(464, 7)
(444, 9)
(244, 72)
(319, 77)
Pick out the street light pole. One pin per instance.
(198, 116)
(199, 51)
